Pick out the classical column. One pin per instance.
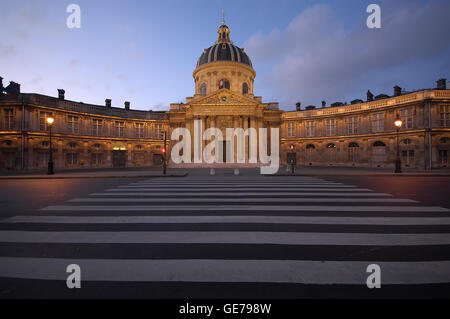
(246, 138)
(253, 124)
(259, 124)
(190, 128)
(235, 126)
(203, 130)
(213, 125)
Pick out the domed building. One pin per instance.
(220, 59)
(359, 134)
(224, 96)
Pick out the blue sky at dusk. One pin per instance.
(145, 51)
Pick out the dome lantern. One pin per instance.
(224, 34)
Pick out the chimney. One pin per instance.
(397, 90)
(369, 96)
(13, 88)
(324, 103)
(127, 105)
(442, 84)
(298, 106)
(108, 102)
(61, 93)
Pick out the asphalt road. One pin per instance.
(226, 237)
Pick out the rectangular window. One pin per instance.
(73, 124)
(445, 115)
(353, 154)
(443, 157)
(97, 159)
(139, 130)
(43, 125)
(309, 128)
(9, 119)
(43, 159)
(378, 122)
(408, 157)
(97, 127)
(291, 129)
(119, 128)
(72, 159)
(407, 118)
(157, 131)
(353, 125)
(331, 127)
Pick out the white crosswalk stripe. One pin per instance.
(302, 215)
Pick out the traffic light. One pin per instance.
(164, 151)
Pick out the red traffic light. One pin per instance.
(164, 151)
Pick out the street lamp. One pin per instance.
(164, 151)
(398, 162)
(50, 170)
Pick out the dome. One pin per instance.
(224, 50)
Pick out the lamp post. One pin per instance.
(50, 170)
(398, 162)
(165, 153)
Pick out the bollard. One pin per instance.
(236, 171)
(212, 171)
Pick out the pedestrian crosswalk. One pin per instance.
(283, 230)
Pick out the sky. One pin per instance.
(145, 51)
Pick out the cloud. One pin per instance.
(315, 57)
(7, 51)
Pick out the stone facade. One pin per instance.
(364, 135)
(358, 135)
(83, 135)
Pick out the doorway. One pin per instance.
(119, 159)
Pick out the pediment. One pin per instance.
(223, 97)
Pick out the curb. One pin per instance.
(367, 174)
(90, 177)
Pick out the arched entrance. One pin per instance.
(119, 156)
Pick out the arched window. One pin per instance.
(406, 141)
(310, 153)
(353, 152)
(203, 89)
(7, 142)
(245, 88)
(379, 144)
(224, 84)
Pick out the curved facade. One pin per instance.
(358, 135)
(364, 135)
(83, 135)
